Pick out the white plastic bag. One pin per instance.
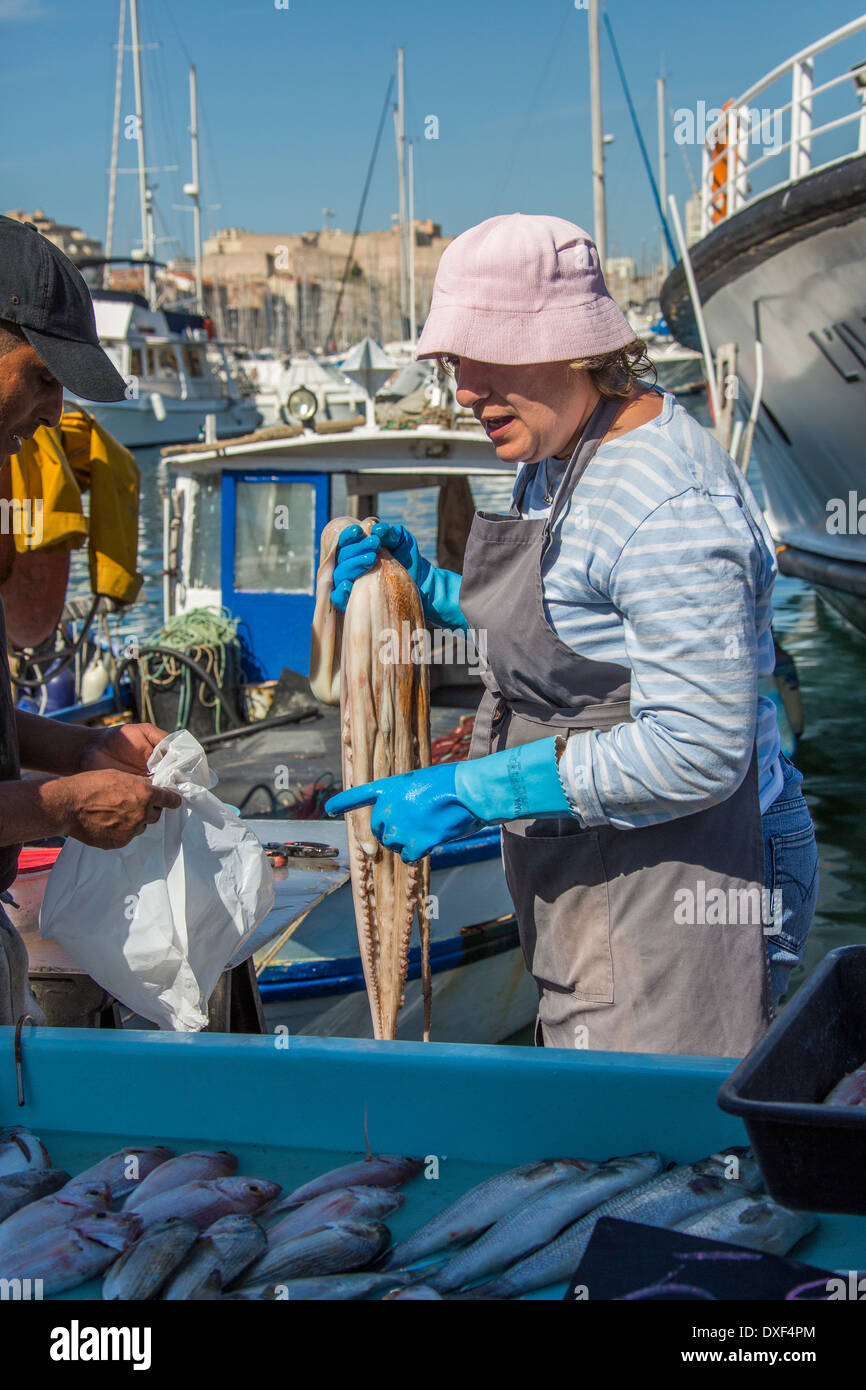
(157, 922)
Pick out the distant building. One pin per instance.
(75, 243)
(283, 289)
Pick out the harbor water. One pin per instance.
(829, 654)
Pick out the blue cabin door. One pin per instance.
(271, 524)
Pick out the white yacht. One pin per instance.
(174, 380)
(781, 273)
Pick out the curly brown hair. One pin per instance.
(614, 374)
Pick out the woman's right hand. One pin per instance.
(357, 553)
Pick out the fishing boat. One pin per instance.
(780, 272)
(178, 375)
(276, 380)
(295, 1110)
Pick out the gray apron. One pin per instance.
(600, 910)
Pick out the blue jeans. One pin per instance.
(791, 872)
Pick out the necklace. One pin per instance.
(548, 495)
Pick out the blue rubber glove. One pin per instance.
(356, 553)
(416, 811)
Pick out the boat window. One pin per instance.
(135, 362)
(193, 362)
(204, 533)
(166, 361)
(275, 537)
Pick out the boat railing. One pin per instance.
(745, 146)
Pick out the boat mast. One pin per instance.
(144, 193)
(599, 210)
(413, 317)
(193, 190)
(400, 132)
(115, 138)
(663, 165)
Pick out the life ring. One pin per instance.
(34, 594)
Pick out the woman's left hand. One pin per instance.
(413, 812)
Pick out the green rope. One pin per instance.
(200, 627)
(202, 633)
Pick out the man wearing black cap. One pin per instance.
(97, 789)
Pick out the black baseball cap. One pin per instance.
(45, 295)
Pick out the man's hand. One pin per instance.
(125, 748)
(107, 809)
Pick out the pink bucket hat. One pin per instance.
(522, 288)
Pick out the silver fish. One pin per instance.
(746, 1173)
(758, 1223)
(74, 1253)
(415, 1291)
(483, 1204)
(197, 1166)
(203, 1203)
(124, 1171)
(354, 1203)
(673, 1196)
(540, 1220)
(225, 1249)
(58, 1209)
(142, 1270)
(19, 1149)
(20, 1189)
(335, 1247)
(332, 1287)
(380, 1170)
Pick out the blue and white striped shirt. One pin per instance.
(663, 563)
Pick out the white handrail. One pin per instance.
(736, 126)
(838, 36)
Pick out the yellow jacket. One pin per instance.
(50, 472)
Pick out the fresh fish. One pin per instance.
(57, 1209)
(19, 1149)
(325, 1287)
(175, 1172)
(225, 1249)
(539, 1220)
(756, 1222)
(74, 1253)
(382, 1170)
(124, 1171)
(419, 1291)
(203, 1203)
(142, 1270)
(673, 1196)
(749, 1177)
(478, 1208)
(335, 1247)
(851, 1090)
(355, 1203)
(20, 1189)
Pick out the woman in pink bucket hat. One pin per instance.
(656, 842)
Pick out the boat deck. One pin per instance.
(262, 773)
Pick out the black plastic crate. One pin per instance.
(813, 1156)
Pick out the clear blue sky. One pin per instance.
(290, 100)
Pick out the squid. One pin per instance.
(385, 728)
